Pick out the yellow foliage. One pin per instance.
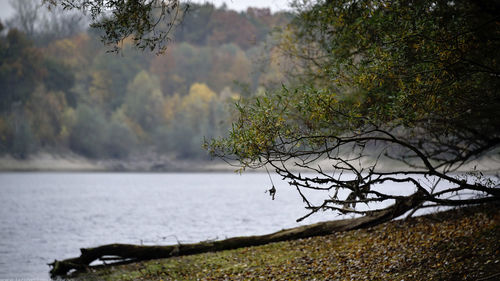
(170, 107)
(70, 50)
(69, 117)
(200, 95)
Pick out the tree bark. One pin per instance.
(127, 252)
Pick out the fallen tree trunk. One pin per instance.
(127, 252)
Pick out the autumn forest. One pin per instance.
(63, 92)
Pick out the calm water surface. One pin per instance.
(47, 216)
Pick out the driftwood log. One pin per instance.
(131, 253)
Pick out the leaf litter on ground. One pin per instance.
(460, 244)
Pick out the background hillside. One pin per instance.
(62, 92)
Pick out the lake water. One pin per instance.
(47, 216)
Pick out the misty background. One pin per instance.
(64, 94)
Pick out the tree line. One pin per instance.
(61, 91)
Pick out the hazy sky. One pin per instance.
(5, 10)
(240, 5)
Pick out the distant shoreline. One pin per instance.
(49, 162)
